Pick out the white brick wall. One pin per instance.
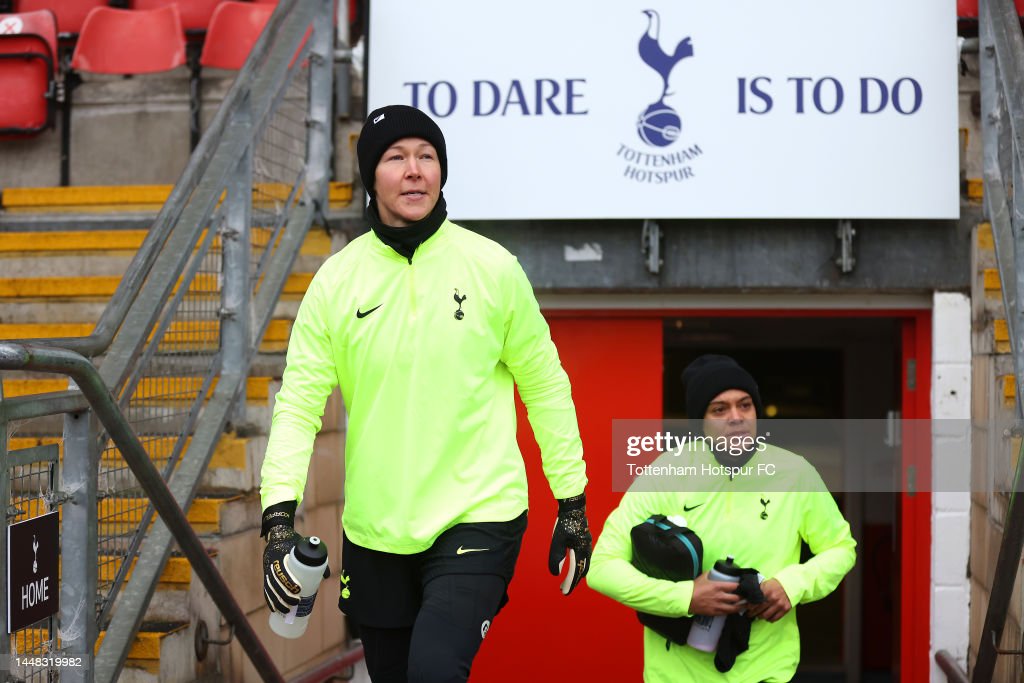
(951, 452)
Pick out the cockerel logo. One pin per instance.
(659, 125)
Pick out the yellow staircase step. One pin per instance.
(229, 453)
(317, 242)
(93, 286)
(339, 193)
(975, 188)
(1001, 335)
(129, 197)
(145, 650)
(203, 511)
(203, 514)
(985, 238)
(105, 285)
(178, 334)
(1009, 389)
(176, 573)
(12, 331)
(156, 388)
(990, 278)
(85, 195)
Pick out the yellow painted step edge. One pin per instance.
(105, 285)
(113, 195)
(129, 511)
(985, 238)
(317, 242)
(85, 195)
(990, 278)
(177, 571)
(1000, 330)
(975, 188)
(339, 193)
(229, 454)
(146, 644)
(257, 388)
(277, 331)
(145, 647)
(1001, 335)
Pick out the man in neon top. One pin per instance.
(757, 518)
(426, 327)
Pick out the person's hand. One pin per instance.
(572, 534)
(280, 588)
(714, 598)
(776, 603)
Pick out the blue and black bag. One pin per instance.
(664, 550)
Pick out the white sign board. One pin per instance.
(658, 109)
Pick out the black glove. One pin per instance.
(571, 533)
(280, 588)
(735, 638)
(733, 642)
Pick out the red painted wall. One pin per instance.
(615, 366)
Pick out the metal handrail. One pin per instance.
(1002, 83)
(78, 367)
(946, 662)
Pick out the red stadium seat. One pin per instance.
(233, 31)
(115, 41)
(969, 8)
(70, 13)
(195, 14)
(28, 65)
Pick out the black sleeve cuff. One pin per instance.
(279, 514)
(575, 503)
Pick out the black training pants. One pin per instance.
(439, 647)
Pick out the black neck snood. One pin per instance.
(406, 240)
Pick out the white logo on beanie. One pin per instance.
(379, 118)
(484, 628)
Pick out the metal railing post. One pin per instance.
(5, 500)
(321, 73)
(79, 547)
(236, 295)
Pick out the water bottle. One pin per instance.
(705, 630)
(306, 563)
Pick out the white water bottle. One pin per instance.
(705, 630)
(306, 563)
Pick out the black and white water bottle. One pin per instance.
(306, 562)
(705, 630)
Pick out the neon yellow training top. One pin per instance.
(759, 519)
(426, 355)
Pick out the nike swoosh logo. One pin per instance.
(360, 314)
(687, 508)
(463, 551)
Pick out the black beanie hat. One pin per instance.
(385, 125)
(710, 375)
